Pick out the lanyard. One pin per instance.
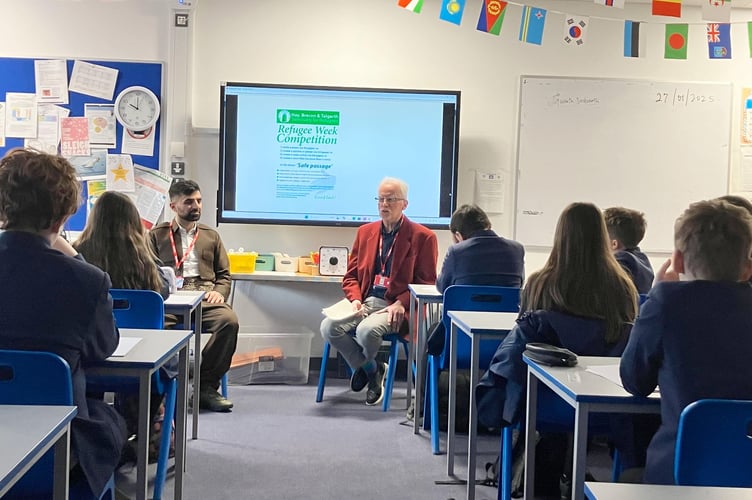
(383, 261)
(179, 263)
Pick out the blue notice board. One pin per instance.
(17, 75)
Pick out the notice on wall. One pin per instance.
(489, 191)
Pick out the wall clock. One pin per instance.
(333, 261)
(137, 108)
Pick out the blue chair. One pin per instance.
(395, 340)
(713, 444)
(145, 309)
(463, 298)
(41, 378)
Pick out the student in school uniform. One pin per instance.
(51, 300)
(479, 256)
(693, 334)
(626, 229)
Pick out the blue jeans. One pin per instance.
(369, 330)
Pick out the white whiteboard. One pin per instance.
(651, 146)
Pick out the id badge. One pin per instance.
(178, 282)
(380, 281)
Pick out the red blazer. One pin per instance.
(413, 261)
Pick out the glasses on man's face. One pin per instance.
(389, 201)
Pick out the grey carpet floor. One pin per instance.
(277, 443)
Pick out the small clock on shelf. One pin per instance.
(333, 261)
(137, 109)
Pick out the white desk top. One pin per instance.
(620, 491)
(584, 386)
(483, 322)
(25, 432)
(183, 299)
(425, 292)
(285, 276)
(155, 347)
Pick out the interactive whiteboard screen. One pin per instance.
(651, 146)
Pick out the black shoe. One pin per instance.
(359, 380)
(376, 386)
(210, 399)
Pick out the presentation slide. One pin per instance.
(319, 156)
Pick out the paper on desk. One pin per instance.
(340, 311)
(125, 345)
(610, 372)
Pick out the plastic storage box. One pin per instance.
(265, 262)
(271, 358)
(285, 263)
(240, 263)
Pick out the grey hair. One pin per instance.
(401, 185)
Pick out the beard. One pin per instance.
(193, 216)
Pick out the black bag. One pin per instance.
(550, 355)
(435, 338)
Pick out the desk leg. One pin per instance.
(452, 398)
(416, 323)
(579, 461)
(181, 420)
(532, 418)
(62, 464)
(144, 401)
(473, 431)
(196, 367)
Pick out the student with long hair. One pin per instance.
(115, 241)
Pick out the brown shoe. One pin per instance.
(210, 399)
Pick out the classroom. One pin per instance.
(378, 44)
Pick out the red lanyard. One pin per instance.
(383, 261)
(179, 263)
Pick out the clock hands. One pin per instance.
(138, 99)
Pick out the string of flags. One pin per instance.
(717, 13)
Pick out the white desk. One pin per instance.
(476, 325)
(154, 350)
(183, 303)
(26, 433)
(422, 298)
(586, 392)
(620, 491)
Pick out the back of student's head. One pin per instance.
(183, 187)
(738, 201)
(581, 275)
(715, 238)
(37, 190)
(468, 220)
(625, 225)
(115, 240)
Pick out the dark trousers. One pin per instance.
(222, 322)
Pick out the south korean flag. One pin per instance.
(574, 30)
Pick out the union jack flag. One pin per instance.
(714, 33)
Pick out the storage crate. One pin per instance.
(265, 262)
(271, 358)
(242, 262)
(304, 264)
(285, 263)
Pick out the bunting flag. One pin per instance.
(716, 10)
(749, 37)
(719, 40)
(619, 4)
(671, 8)
(452, 10)
(491, 16)
(531, 25)
(413, 5)
(676, 41)
(575, 28)
(634, 39)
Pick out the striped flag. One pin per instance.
(634, 39)
(413, 5)
(619, 4)
(716, 10)
(492, 16)
(676, 41)
(452, 10)
(575, 28)
(749, 37)
(531, 25)
(719, 40)
(671, 8)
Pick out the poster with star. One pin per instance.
(120, 173)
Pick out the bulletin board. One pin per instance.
(17, 75)
(651, 146)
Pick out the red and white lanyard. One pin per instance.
(383, 261)
(187, 252)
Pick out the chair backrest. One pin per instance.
(35, 378)
(713, 444)
(475, 298)
(137, 308)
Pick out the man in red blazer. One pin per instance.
(386, 257)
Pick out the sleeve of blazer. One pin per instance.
(425, 263)
(222, 277)
(446, 277)
(643, 356)
(103, 336)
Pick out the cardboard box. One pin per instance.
(271, 358)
